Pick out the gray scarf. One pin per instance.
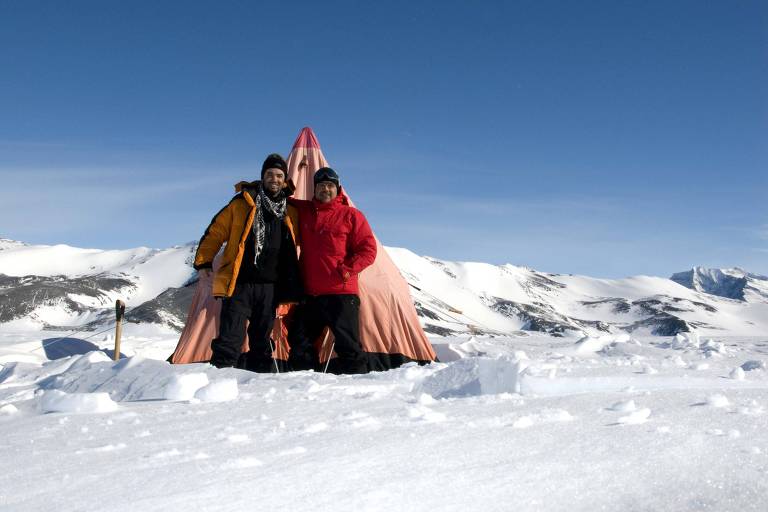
(276, 207)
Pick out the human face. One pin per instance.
(274, 181)
(326, 191)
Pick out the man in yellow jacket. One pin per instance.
(259, 266)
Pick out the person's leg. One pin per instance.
(260, 357)
(304, 328)
(234, 313)
(342, 314)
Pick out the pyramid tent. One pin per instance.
(389, 327)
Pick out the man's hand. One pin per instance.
(344, 273)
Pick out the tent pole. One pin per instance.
(274, 357)
(328, 361)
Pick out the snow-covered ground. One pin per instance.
(509, 423)
(516, 421)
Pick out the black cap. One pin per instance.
(326, 174)
(274, 161)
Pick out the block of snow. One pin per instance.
(737, 373)
(589, 345)
(472, 377)
(718, 400)
(624, 406)
(685, 340)
(54, 400)
(711, 346)
(220, 390)
(636, 417)
(8, 409)
(184, 386)
(523, 422)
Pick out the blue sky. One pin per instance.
(604, 138)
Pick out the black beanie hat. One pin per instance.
(274, 161)
(326, 174)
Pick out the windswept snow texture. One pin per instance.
(524, 423)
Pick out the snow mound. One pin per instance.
(624, 406)
(718, 400)
(130, 379)
(737, 373)
(8, 409)
(184, 387)
(590, 345)
(54, 400)
(473, 377)
(686, 340)
(221, 390)
(635, 418)
(711, 347)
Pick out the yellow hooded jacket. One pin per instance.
(231, 226)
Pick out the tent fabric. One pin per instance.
(202, 323)
(390, 331)
(305, 159)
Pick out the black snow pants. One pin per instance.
(341, 313)
(254, 302)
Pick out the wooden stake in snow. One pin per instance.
(119, 314)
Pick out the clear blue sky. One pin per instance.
(605, 138)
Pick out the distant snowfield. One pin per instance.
(452, 298)
(153, 269)
(509, 423)
(474, 294)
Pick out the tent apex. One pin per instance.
(306, 139)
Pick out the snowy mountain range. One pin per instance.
(61, 287)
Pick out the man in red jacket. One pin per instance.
(336, 245)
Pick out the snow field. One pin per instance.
(526, 423)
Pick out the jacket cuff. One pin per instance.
(203, 265)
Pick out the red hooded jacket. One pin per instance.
(335, 240)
